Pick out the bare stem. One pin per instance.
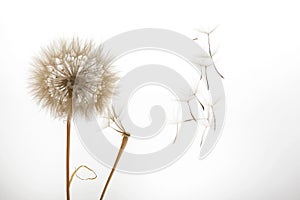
(122, 147)
(68, 158)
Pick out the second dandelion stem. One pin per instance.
(122, 147)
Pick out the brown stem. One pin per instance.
(122, 147)
(68, 158)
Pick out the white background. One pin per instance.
(258, 156)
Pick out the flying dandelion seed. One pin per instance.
(72, 78)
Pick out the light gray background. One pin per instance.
(258, 155)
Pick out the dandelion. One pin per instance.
(72, 78)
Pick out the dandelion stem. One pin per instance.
(122, 147)
(68, 158)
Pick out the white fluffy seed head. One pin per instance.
(73, 78)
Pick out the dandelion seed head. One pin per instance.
(73, 77)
